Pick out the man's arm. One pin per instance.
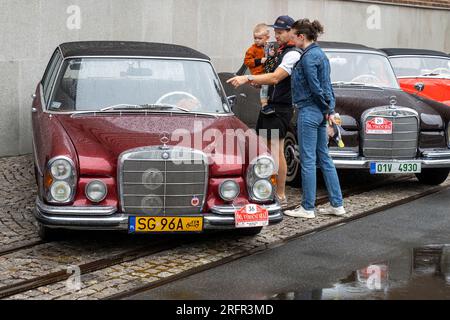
(269, 78)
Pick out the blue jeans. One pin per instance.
(313, 145)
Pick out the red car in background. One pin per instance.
(422, 72)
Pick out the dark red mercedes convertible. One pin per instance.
(140, 137)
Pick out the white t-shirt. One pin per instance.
(289, 61)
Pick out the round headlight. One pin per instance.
(229, 190)
(262, 190)
(96, 191)
(264, 168)
(60, 191)
(61, 169)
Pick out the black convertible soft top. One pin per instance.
(346, 46)
(413, 52)
(128, 48)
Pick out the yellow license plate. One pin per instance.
(165, 224)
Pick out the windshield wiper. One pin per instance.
(349, 83)
(124, 106)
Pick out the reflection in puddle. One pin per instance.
(423, 274)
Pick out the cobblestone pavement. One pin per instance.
(17, 196)
(17, 224)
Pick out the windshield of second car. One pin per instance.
(93, 84)
(361, 68)
(421, 66)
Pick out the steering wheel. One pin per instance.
(173, 93)
(370, 78)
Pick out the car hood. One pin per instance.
(355, 101)
(99, 140)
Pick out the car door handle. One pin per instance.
(243, 95)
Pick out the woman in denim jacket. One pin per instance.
(312, 95)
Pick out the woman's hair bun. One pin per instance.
(317, 26)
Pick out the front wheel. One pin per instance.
(292, 157)
(433, 176)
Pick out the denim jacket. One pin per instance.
(311, 82)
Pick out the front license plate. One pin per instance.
(395, 167)
(251, 215)
(165, 224)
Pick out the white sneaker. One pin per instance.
(300, 213)
(338, 211)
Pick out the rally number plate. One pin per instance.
(251, 215)
(165, 224)
(395, 167)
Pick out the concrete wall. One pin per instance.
(31, 29)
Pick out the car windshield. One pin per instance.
(94, 84)
(361, 68)
(421, 66)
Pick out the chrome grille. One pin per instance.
(401, 144)
(155, 181)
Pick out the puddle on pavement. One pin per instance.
(424, 274)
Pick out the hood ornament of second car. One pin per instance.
(392, 102)
(164, 137)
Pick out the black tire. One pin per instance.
(48, 234)
(249, 231)
(433, 176)
(293, 177)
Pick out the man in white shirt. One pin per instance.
(276, 116)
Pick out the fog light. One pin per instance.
(229, 190)
(96, 191)
(60, 191)
(262, 190)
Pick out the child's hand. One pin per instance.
(263, 60)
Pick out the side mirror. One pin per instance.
(419, 86)
(232, 100)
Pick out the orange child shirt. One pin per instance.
(253, 58)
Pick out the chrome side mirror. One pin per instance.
(419, 86)
(232, 100)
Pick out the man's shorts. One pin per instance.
(276, 125)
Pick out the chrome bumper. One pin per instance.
(350, 160)
(91, 218)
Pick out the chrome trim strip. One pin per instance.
(169, 183)
(418, 56)
(362, 163)
(55, 80)
(71, 210)
(227, 222)
(344, 154)
(436, 154)
(120, 221)
(137, 57)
